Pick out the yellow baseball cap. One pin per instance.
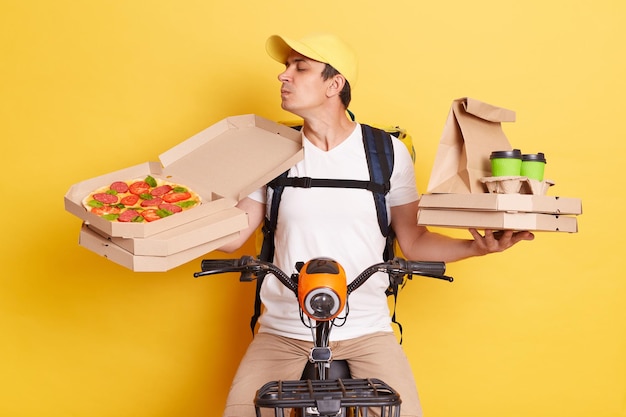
(322, 47)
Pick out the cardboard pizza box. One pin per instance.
(93, 240)
(497, 220)
(527, 203)
(222, 163)
(183, 237)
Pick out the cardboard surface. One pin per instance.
(95, 242)
(516, 184)
(497, 220)
(222, 163)
(472, 131)
(186, 236)
(503, 202)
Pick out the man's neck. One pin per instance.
(328, 132)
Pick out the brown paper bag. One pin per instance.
(473, 130)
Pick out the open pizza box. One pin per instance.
(458, 193)
(222, 163)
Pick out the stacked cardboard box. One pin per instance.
(500, 212)
(457, 192)
(222, 163)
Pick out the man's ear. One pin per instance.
(336, 85)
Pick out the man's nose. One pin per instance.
(285, 75)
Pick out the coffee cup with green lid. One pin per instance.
(533, 166)
(506, 163)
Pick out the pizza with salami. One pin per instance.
(140, 200)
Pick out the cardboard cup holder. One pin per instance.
(537, 187)
(516, 185)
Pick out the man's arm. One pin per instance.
(418, 243)
(256, 213)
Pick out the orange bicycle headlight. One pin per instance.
(322, 289)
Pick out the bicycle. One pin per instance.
(322, 293)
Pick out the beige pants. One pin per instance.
(270, 358)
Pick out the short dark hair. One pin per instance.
(346, 94)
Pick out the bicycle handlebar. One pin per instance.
(250, 268)
(399, 267)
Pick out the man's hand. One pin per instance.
(498, 240)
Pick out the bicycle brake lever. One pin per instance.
(247, 276)
(442, 277)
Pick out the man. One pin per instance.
(341, 224)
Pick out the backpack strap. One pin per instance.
(308, 182)
(379, 151)
(380, 158)
(269, 225)
(267, 247)
(392, 291)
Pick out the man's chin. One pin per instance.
(289, 108)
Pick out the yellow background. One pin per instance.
(89, 87)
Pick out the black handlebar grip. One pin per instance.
(426, 268)
(217, 264)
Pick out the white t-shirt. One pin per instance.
(337, 223)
